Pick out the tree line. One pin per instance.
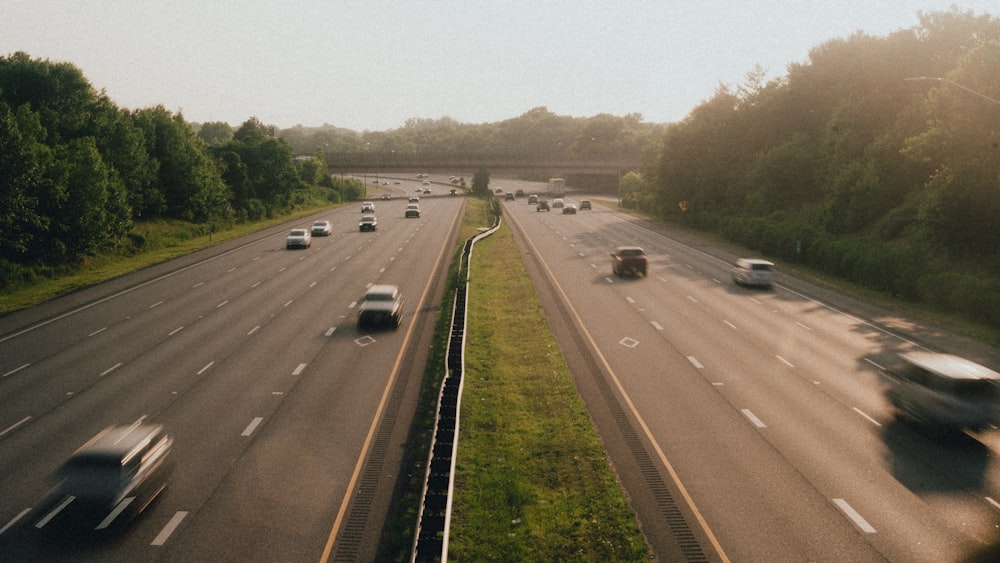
(877, 160)
(77, 172)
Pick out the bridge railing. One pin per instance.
(377, 161)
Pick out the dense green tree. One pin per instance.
(21, 223)
(215, 132)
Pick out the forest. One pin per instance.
(876, 160)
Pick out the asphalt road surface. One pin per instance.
(288, 421)
(751, 425)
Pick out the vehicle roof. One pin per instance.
(756, 261)
(119, 442)
(630, 248)
(298, 232)
(382, 289)
(947, 365)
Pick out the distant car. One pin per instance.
(453, 191)
(414, 199)
(499, 190)
(944, 392)
(509, 196)
(558, 203)
(412, 210)
(396, 183)
(368, 223)
(532, 198)
(111, 479)
(585, 204)
(381, 307)
(322, 229)
(426, 183)
(753, 271)
(543, 205)
(367, 207)
(298, 238)
(569, 209)
(427, 192)
(519, 193)
(386, 196)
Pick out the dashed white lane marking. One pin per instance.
(167, 530)
(868, 418)
(252, 426)
(753, 418)
(854, 516)
(14, 426)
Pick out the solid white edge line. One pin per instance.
(164, 534)
(854, 516)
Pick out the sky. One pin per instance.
(370, 65)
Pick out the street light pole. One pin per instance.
(956, 85)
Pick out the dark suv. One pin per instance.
(381, 307)
(112, 478)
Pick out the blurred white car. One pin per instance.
(298, 238)
(322, 229)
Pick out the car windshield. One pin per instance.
(298, 233)
(379, 297)
(631, 252)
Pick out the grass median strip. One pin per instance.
(533, 481)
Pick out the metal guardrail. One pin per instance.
(431, 540)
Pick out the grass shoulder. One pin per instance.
(163, 240)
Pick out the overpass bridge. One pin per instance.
(380, 162)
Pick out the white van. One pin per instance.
(944, 391)
(753, 271)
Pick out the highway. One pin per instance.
(287, 420)
(750, 425)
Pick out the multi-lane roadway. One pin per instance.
(746, 425)
(282, 411)
(751, 425)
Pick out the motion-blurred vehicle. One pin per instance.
(942, 391)
(585, 204)
(110, 480)
(508, 197)
(543, 205)
(569, 209)
(298, 238)
(367, 223)
(367, 207)
(412, 210)
(558, 203)
(322, 229)
(532, 199)
(753, 271)
(381, 307)
(629, 261)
